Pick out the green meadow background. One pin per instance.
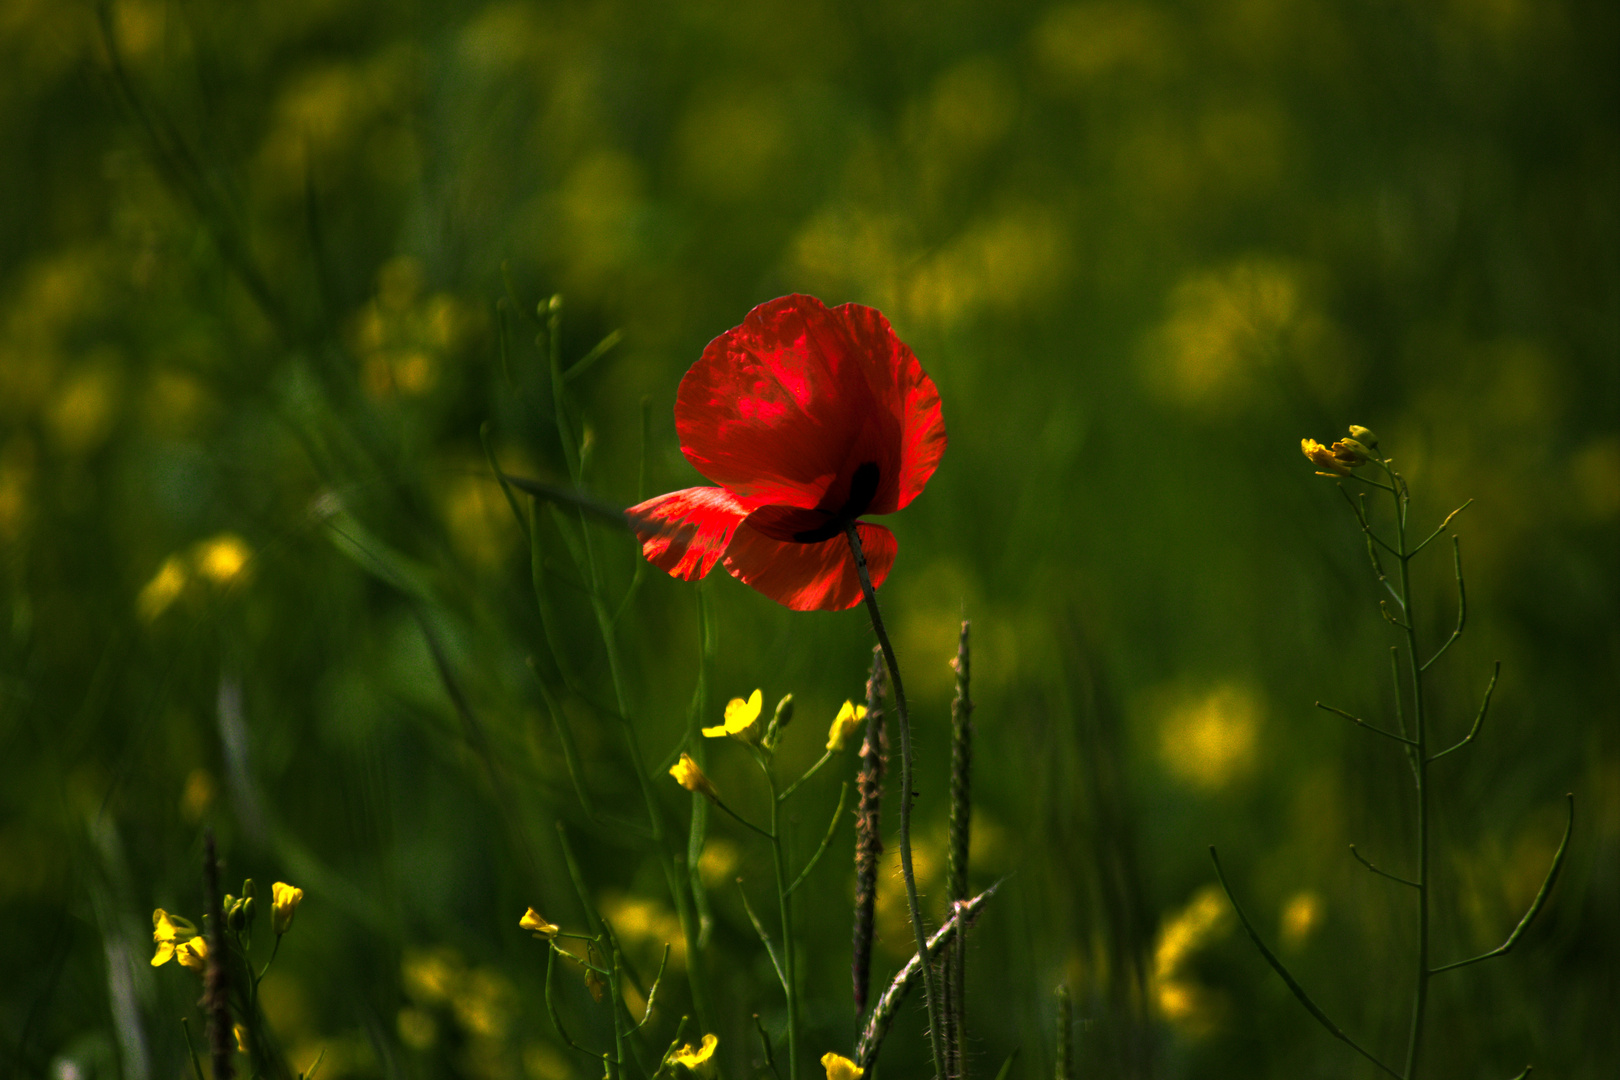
(254, 572)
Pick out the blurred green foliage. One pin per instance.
(250, 553)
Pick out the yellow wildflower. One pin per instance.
(1328, 461)
(284, 901)
(844, 724)
(840, 1067)
(699, 1060)
(178, 939)
(533, 920)
(241, 1033)
(740, 716)
(690, 777)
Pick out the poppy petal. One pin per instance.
(685, 532)
(809, 577)
(785, 408)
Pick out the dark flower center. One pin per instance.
(862, 487)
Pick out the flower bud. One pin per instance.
(533, 920)
(284, 901)
(844, 724)
(1363, 436)
(779, 720)
(1353, 451)
(689, 776)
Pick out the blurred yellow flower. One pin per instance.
(533, 920)
(178, 939)
(164, 588)
(840, 1067)
(690, 777)
(843, 726)
(241, 1033)
(740, 716)
(284, 901)
(699, 1060)
(222, 558)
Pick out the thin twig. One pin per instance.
(832, 830)
(765, 1042)
(1443, 526)
(1358, 721)
(1462, 606)
(1478, 719)
(1381, 873)
(765, 938)
(1293, 984)
(1535, 905)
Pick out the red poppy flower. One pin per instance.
(808, 417)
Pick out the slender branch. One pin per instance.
(929, 995)
(1462, 606)
(1358, 721)
(602, 348)
(1293, 984)
(556, 1020)
(1443, 526)
(1400, 708)
(1535, 905)
(765, 1043)
(808, 773)
(1381, 873)
(652, 994)
(1478, 719)
(1383, 608)
(744, 821)
(765, 938)
(832, 829)
(1372, 537)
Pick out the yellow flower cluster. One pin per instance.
(1344, 455)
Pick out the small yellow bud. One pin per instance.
(533, 920)
(241, 1033)
(284, 901)
(844, 724)
(840, 1067)
(1350, 449)
(1363, 436)
(689, 776)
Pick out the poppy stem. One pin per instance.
(929, 994)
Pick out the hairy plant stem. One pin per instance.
(903, 715)
(1420, 755)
